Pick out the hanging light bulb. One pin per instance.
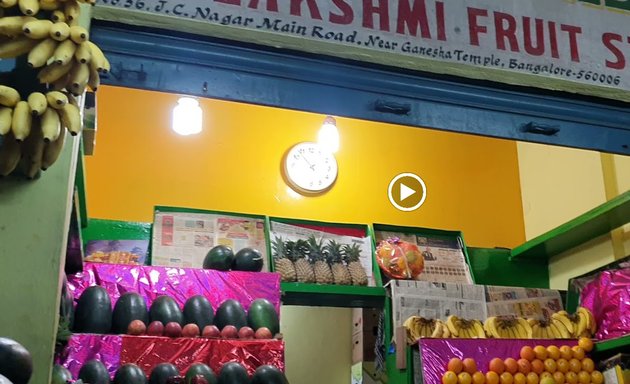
(328, 136)
(187, 117)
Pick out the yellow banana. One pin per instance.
(49, 5)
(29, 7)
(83, 53)
(56, 99)
(10, 154)
(50, 125)
(563, 332)
(72, 10)
(21, 121)
(42, 52)
(94, 80)
(58, 16)
(451, 323)
(52, 150)
(437, 330)
(37, 29)
(591, 322)
(60, 31)
(582, 324)
(53, 72)
(98, 58)
(563, 318)
(79, 77)
(526, 327)
(73, 100)
(71, 118)
(16, 47)
(7, 3)
(6, 114)
(33, 152)
(12, 25)
(60, 84)
(38, 103)
(78, 34)
(445, 332)
(9, 97)
(64, 52)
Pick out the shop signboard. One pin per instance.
(579, 46)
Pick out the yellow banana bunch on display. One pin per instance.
(418, 327)
(465, 329)
(582, 321)
(507, 327)
(10, 154)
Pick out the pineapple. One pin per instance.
(302, 262)
(283, 265)
(321, 269)
(340, 273)
(352, 254)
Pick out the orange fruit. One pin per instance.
(507, 378)
(478, 378)
(492, 377)
(532, 378)
(524, 366)
(588, 365)
(550, 365)
(566, 352)
(570, 377)
(597, 377)
(558, 377)
(540, 352)
(575, 365)
(511, 365)
(563, 365)
(578, 352)
(449, 377)
(497, 365)
(464, 378)
(527, 353)
(584, 377)
(545, 375)
(538, 366)
(553, 352)
(455, 365)
(469, 365)
(519, 378)
(586, 344)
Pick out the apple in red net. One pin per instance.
(229, 332)
(156, 328)
(211, 332)
(136, 328)
(190, 330)
(263, 333)
(173, 329)
(246, 333)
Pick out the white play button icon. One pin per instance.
(406, 192)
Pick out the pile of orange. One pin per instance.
(538, 365)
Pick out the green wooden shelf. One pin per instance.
(586, 227)
(346, 296)
(620, 343)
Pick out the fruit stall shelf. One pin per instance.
(588, 226)
(619, 343)
(346, 296)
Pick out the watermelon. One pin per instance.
(231, 312)
(248, 259)
(93, 313)
(129, 307)
(268, 374)
(162, 372)
(166, 310)
(60, 375)
(262, 313)
(198, 310)
(16, 363)
(94, 372)
(220, 258)
(130, 374)
(233, 373)
(203, 370)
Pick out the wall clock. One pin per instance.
(310, 168)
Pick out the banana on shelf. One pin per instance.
(507, 327)
(465, 329)
(418, 327)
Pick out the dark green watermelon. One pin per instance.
(129, 307)
(94, 372)
(162, 372)
(262, 313)
(268, 374)
(93, 313)
(248, 259)
(198, 310)
(60, 375)
(233, 373)
(166, 310)
(220, 258)
(130, 374)
(203, 370)
(231, 312)
(16, 363)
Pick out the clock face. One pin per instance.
(310, 168)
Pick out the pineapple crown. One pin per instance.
(289, 247)
(352, 252)
(278, 248)
(302, 249)
(334, 252)
(315, 248)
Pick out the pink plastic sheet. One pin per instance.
(179, 283)
(435, 353)
(83, 348)
(608, 297)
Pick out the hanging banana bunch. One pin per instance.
(33, 126)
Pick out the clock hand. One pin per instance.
(311, 166)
